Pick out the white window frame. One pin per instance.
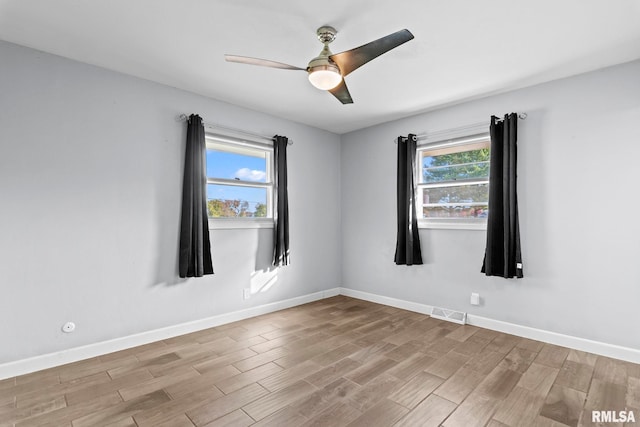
(447, 223)
(241, 146)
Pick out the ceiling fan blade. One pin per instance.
(262, 62)
(342, 93)
(353, 59)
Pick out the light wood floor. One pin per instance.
(334, 362)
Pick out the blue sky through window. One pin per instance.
(226, 165)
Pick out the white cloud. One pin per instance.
(247, 174)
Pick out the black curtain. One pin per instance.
(408, 241)
(195, 249)
(281, 202)
(502, 255)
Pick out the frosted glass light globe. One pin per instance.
(325, 78)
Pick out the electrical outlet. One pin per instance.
(475, 298)
(246, 293)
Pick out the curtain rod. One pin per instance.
(184, 118)
(521, 116)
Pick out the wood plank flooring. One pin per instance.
(334, 362)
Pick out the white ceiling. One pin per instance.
(463, 49)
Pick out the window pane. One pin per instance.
(454, 202)
(243, 167)
(455, 166)
(231, 201)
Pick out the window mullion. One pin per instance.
(238, 183)
(432, 205)
(460, 183)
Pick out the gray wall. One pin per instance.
(578, 194)
(90, 186)
(90, 182)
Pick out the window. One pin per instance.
(453, 182)
(239, 183)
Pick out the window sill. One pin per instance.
(453, 224)
(238, 223)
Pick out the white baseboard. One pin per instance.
(393, 302)
(583, 344)
(577, 343)
(45, 361)
(37, 363)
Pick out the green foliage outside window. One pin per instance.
(455, 166)
(218, 208)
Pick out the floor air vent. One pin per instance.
(449, 315)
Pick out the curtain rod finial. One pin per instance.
(522, 116)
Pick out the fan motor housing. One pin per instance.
(322, 63)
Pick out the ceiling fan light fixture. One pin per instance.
(325, 77)
(326, 71)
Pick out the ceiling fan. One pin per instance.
(327, 70)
